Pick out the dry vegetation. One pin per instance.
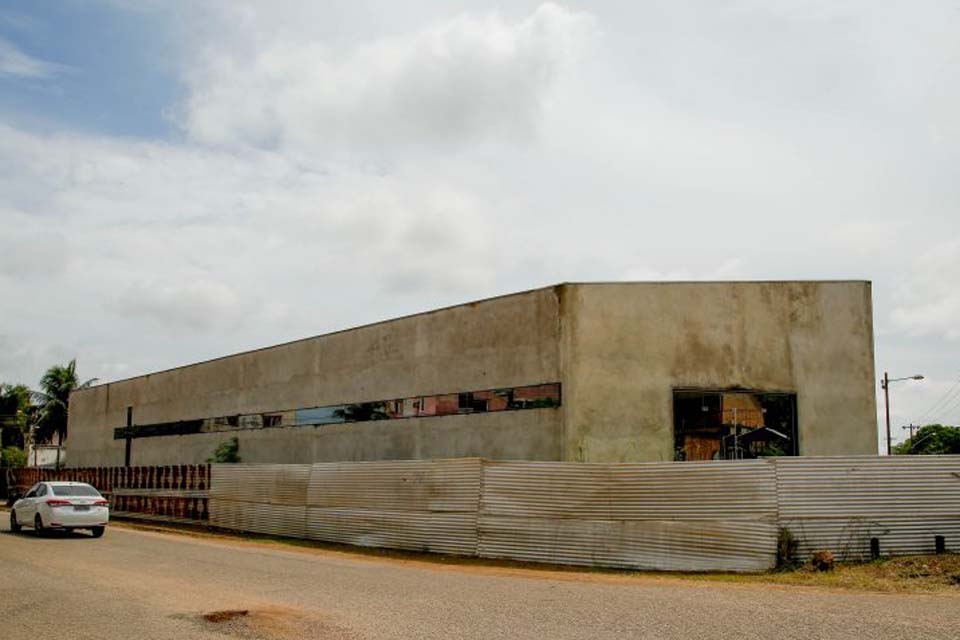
(910, 574)
(907, 574)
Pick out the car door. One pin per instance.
(27, 506)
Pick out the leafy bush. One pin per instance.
(227, 452)
(12, 458)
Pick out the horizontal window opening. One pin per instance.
(538, 396)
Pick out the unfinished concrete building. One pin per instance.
(587, 372)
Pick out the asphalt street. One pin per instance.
(152, 585)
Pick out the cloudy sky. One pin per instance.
(181, 180)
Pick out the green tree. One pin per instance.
(12, 458)
(54, 398)
(16, 413)
(228, 451)
(931, 439)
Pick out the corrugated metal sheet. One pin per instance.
(689, 516)
(266, 483)
(667, 545)
(840, 503)
(397, 485)
(420, 505)
(260, 498)
(254, 517)
(437, 532)
(674, 516)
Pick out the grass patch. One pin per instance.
(907, 574)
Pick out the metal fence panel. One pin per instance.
(397, 485)
(255, 517)
(279, 484)
(686, 516)
(839, 503)
(667, 545)
(437, 532)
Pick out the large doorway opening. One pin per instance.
(733, 425)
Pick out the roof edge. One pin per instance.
(456, 306)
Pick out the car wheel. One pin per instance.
(38, 525)
(96, 531)
(14, 525)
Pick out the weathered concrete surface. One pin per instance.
(500, 436)
(627, 346)
(502, 342)
(152, 586)
(619, 350)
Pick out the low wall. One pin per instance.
(176, 493)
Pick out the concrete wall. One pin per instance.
(618, 349)
(627, 346)
(502, 342)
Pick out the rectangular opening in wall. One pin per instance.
(733, 425)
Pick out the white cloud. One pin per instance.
(15, 62)
(198, 304)
(929, 298)
(348, 162)
(729, 269)
(181, 237)
(472, 77)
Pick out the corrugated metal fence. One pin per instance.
(692, 516)
(260, 498)
(695, 516)
(840, 503)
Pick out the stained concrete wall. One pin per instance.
(627, 346)
(502, 342)
(618, 349)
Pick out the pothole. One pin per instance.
(269, 623)
(225, 616)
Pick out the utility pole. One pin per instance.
(911, 427)
(885, 384)
(886, 401)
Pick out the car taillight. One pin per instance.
(58, 503)
(102, 503)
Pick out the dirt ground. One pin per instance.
(909, 574)
(150, 584)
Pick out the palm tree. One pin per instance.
(54, 399)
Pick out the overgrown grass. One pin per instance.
(907, 574)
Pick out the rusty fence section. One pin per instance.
(169, 493)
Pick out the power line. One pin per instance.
(943, 401)
(947, 411)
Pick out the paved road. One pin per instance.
(151, 585)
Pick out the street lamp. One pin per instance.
(885, 384)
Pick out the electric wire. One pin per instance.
(943, 417)
(947, 398)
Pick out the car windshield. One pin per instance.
(74, 490)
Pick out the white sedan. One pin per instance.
(63, 506)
